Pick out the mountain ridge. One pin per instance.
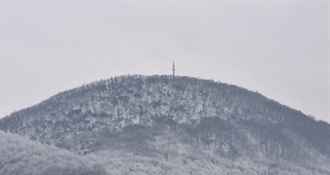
(98, 82)
(131, 112)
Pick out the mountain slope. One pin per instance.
(132, 113)
(24, 157)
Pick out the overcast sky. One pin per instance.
(279, 49)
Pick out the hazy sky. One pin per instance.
(279, 49)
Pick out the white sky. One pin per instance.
(280, 49)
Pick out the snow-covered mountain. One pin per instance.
(20, 156)
(178, 125)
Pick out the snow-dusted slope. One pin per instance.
(159, 117)
(20, 156)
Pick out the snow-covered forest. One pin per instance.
(162, 125)
(20, 156)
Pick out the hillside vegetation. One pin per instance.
(20, 156)
(165, 122)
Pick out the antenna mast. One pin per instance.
(173, 68)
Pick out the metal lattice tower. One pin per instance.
(173, 68)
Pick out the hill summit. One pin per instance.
(181, 121)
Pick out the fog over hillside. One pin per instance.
(278, 48)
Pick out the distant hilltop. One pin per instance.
(172, 118)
